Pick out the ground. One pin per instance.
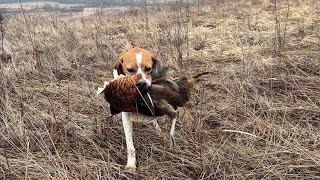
(256, 117)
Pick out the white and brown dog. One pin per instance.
(167, 94)
(135, 61)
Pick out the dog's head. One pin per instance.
(136, 61)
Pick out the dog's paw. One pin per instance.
(130, 168)
(172, 142)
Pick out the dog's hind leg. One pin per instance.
(169, 110)
(156, 125)
(172, 130)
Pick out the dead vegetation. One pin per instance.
(257, 117)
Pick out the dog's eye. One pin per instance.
(147, 69)
(131, 70)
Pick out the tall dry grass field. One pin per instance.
(256, 117)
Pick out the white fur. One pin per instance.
(172, 138)
(127, 126)
(139, 62)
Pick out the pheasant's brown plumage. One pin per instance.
(121, 94)
(167, 95)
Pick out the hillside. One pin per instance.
(256, 117)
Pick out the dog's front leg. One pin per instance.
(127, 125)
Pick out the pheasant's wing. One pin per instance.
(166, 83)
(145, 105)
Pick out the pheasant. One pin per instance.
(121, 93)
(163, 97)
(167, 95)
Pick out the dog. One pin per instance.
(135, 61)
(160, 95)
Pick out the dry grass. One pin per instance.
(258, 117)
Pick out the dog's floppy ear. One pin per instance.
(155, 65)
(119, 66)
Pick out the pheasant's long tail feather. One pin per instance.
(196, 77)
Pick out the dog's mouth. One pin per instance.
(143, 86)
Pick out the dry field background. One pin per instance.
(257, 117)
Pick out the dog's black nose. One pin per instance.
(142, 86)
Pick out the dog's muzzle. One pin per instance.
(142, 86)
